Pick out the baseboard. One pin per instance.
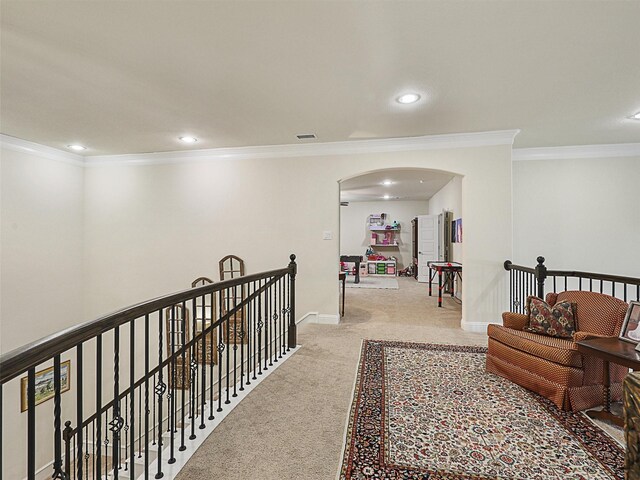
(476, 327)
(319, 318)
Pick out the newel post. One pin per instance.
(541, 275)
(293, 269)
(66, 436)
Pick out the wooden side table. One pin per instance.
(609, 349)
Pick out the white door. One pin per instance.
(427, 244)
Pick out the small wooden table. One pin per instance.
(343, 278)
(609, 349)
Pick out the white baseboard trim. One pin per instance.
(319, 318)
(476, 327)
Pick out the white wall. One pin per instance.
(449, 198)
(355, 235)
(580, 214)
(151, 229)
(41, 274)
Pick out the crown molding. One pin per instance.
(25, 146)
(385, 145)
(578, 151)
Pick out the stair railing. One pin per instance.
(150, 376)
(538, 280)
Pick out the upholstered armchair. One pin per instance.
(552, 366)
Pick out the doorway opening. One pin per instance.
(398, 220)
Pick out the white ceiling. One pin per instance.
(408, 184)
(131, 76)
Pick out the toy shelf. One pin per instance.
(385, 244)
(382, 267)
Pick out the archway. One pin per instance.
(379, 217)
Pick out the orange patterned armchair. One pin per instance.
(552, 366)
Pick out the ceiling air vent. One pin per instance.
(307, 136)
(344, 204)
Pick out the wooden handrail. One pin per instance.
(32, 354)
(508, 265)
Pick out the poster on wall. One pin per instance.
(456, 231)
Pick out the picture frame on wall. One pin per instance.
(45, 385)
(630, 331)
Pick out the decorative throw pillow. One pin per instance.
(557, 321)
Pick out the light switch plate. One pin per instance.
(327, 235)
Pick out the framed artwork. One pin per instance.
(456, 231)
(630, 328)
(45, 385)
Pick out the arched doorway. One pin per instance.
(379, 217)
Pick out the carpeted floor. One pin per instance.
(370, 281)
(431, 411)
(292, 426)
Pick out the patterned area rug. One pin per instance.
(424, 411)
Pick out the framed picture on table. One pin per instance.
(631, 326)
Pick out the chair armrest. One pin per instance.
(579, 336)
(517, 321)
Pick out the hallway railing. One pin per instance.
(144, 380)
(538, 281)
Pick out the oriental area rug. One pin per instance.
(423, 411)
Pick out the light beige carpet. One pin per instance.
(292, 425)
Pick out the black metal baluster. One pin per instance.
(126, 433)
(172, 389)
(212, 339)
(183, 367)
(132, 394)
(235, 339)
(160, 390)
(626, 286)
(613, 289)
(73, 446)
(228, 358)
(267, 319)
(140, 423)
(511, 291)
(146, 397)
(93, 439)
(106, 443)
(275, 317)
(31, 424)
(601, 282)
(260, 324)
(79, 417)
(590, 284)
(193, 370)
(565, 282)
(220, 350)
(86, 452)
(57, 434)
(282, 312)
(248, 333)
(116, 424)
(254, 329)
(203, 362)
(98, 439)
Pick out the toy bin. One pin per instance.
(391, 269)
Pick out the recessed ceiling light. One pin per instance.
(77, 148)
(635, 117)
(421, 181)
(188, 139)
(387, 197)
(387, 182)
(408, 98)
